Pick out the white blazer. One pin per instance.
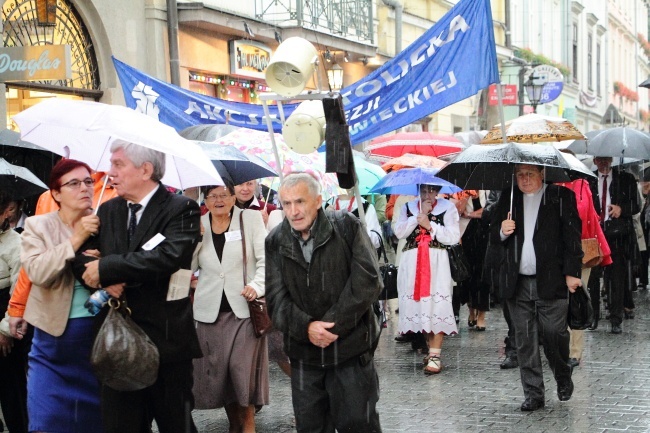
(217, 278)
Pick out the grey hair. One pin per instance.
(140, 154)
(295, 179)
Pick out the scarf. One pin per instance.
(422, 287)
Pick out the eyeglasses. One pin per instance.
(220, 197)
(76, 183)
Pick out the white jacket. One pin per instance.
(217, 278)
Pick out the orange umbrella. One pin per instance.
(412, 160)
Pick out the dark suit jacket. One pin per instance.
(622, 190)
(558, 248)
(168, 323)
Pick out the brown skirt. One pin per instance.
(234, 367)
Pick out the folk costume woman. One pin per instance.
(424, 282)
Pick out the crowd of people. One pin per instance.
(316, 263)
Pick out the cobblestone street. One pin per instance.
(472, 394)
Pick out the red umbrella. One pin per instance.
(419, 143)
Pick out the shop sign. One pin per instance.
(249, 58)
(39, 62)
(509, 94)
(553, 79)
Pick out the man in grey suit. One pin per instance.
(542, 263)
(146, 235)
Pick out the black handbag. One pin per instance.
(617, 228)
(581, 313)
(388, 275)
(123, 357)
(458, 263)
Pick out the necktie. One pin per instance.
(603, 200)
(133, 221)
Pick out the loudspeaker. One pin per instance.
(291, 66)
(304, 130)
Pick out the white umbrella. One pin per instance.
(85, 130)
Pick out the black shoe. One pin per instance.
(594, 325)
(629, 314)
(565, 390)
(531, 405)
(616, 329)
(480, 328)
(404, 338)
(573, 363)
(643, 286)
(509, 363)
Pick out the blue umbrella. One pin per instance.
(408, 180)
(234, 164)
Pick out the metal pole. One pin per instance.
(172, 33)
(269, 126)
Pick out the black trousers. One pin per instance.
(533, 317)
(13, 377)
(617, 279)
(169, 401)
(343, 397)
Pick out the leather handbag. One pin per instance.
(458, 263)
(257, 307)
(123, 357)
(617, 228)
(581, 312)
(593, 255)
(388, 275)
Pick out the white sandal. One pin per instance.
(433, 365)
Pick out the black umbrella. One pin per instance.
(234, 164)
(645, 84)
(18, 182)
(208, 133)
(492, 166)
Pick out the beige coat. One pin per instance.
(46, 255)
(217, 278)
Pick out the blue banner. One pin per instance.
(452, 61)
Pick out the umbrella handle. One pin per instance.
(101, 194)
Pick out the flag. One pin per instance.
(451, 61)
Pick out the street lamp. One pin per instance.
(335, 76)
(534, 88)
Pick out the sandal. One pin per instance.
(433, 366)
(471, 323)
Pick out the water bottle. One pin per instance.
(96, 301)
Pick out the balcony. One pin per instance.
(349, 19)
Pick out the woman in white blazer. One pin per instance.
(233, 372)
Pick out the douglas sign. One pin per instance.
(47, 62)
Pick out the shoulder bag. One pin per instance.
(593, 255)
(123, 357)
(458, 263)
(257, 307)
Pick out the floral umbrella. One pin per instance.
(533, 128)
(258, 143)
(409, 160)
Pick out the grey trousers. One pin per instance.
(535, 318)
(342, 397)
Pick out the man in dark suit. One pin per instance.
(615, 198)
(542, 263)
(147, 234)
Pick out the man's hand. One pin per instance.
(115, 290)
(17, 327)
(508, 226)
(6, 343)
(91, 275)
(573, 283)
(319, 334)
(614, 211)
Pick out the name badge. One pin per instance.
(153, 242)
(179, 285)
(233, 236)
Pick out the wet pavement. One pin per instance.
(472, 394)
